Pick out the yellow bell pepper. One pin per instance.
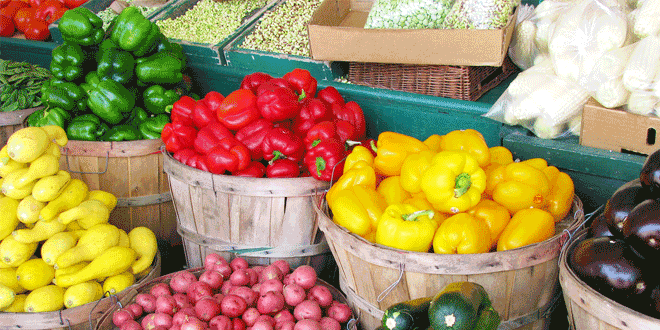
(419, 201)
(358, 208)
(361, 173)
(433, 142)
(562, 191)
(391, 189)
(500, 155)
(359, 153)
(526, 227)
(392, 150)
(494, 215)
(454, 182)
(522, 186)
(494, 175)
(468, 140)
(463, 234)
(412, 169)
(406, 227)
(538, 163)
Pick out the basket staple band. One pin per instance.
(144, 200)
(68, 167)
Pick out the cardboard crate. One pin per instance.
(336, 33)
(618, 130)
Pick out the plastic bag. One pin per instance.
(605, 81)
(408, 14)
(479, 14)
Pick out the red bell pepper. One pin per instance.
(210, 136)
(191, 158)
(228, 156)
(278, 103)
(238, 109)
(206, 109)
(273, 84)
(182, 110)
(178, 136)
(37, 29)
(370, 144)
(283, 168)
(12, 7)
(313, 111)
(319, 132)
(330, 96)
(325, 161)
(253, 80)
(345, 130)
(7, 27)
(352, 113)
(50, 11)
(252, 136)
(23, 17)
(282, 143)
(73, 3)
(256, 169)
(302, 82)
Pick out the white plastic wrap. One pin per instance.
(605, 80)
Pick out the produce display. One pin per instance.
(458, 306)
(272, 127)
(209, 21)
(283, 29)
(232, 295)
(622, 243)
(57, 249)
(31, 18)
(108, 14)
(114, 86)
(21, 85)
(448, 194)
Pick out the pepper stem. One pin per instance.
(302, 95)
(462, 184)
(372, 144)
(413, 216)
(320, 165)
(278, 154)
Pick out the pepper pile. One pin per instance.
(273, 127)
(138, 75)
(32, 17)
(450, 192)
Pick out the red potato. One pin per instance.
(270, 303)
(207, 308)
(294, 294)
(146, 301)
(159, 327)
(283, 316)
(283, 266)
(321, 294)
(226, 287)
(135, 309)
(224, 269)
(250, 316)
(175, 327)
(233, 305)
(287, 279)
(271, 285)
(304, 276)
(328, 323)
(256, 288)
(258, 268)
(253, 276)
(198, 290)
(262, 325)
(183, 316)
(211, 277)
(307, 324)
(238, 263)
(308, 309)
(121, 316)
(339, 311)
(238, 324)
(166, 304)
(213, 259)
(162, 320)
(194, 324)
(160, 289)
(181, 280)
(250, 296)
(266, 318)
(148, 321)
(219, 296)
(221, 322)
(182, 300)
(239, 277)
(271, 272)
(131, 325)
(288, 325)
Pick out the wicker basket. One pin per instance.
(456, 82)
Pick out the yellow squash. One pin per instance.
(143, 241)
(90, 245)
(48, 188)
(110, 262)
(72, 195)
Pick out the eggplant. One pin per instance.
(610, 266)
(598, 227)
(642, 229)
(649, 176)
(622, 201)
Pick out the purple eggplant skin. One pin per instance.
(622, 201)
(598, 227)
(611, 267)
(642, 229)
(649, 176)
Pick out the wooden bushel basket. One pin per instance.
(12, 121)
(85, 317)
(588, 309)
(259, 219)
(522, 283)
(132, 171)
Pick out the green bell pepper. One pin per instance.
(137, 116)
(68, 61)
(122, 133)
(81, 26)
(88, 127)
(110, 101)
(66, 95)
(49, 116)
(156, 98)
(91, 80)
(160, 68)
(152, 127)
(135, 33)
(115, 64)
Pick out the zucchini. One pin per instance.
(462, 306)
(407, 315)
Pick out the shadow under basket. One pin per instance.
(467, 83)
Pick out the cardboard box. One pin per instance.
(336, 33)
(618, 130)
